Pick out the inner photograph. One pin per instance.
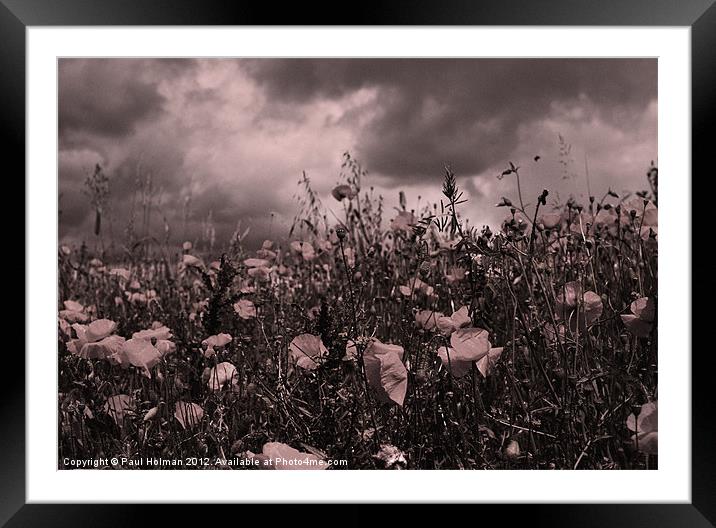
(357, 263)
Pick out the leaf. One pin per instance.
(189, 415)
(470, 344)
(307, 351)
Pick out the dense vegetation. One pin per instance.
(410, 341)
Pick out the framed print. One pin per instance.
(412, 259)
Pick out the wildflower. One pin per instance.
(417, 286)
(466, 345)
(550, 220)
(385, 371)
(488, 361)
(221, 374)
(641, 319)
(403, 221)
(245, 309)
(307, 351)
(645, 428)
(576, 308)
(74, 312)
(122, 273)
(139, 353)
(215, 341)
(282, 456)
(512, 450)
(427, 319)
(188, 414)
(456, 274)
(157, 331)
(262, 273)
(391, 456)
(458, 319)
(118, 407)
(256, 263)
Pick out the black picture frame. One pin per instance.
(699, 15)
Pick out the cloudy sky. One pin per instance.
(230, 138)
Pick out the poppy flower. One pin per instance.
(385, 371)
(282, 456)
(550, 220)
(456, 274)
(466, 345)
(158, 331)
(138, 353)
(122, 273)
(74, 312)
(427, 319)
(215, 341)
(262, 273)
(188, 414)
(256, 263)
(403, 222)
(458, 319)
(221, 374)
(645, 428)
(579, 309)
(417, 286)
(487, 363)
(391, 456)
(118, 407)
(305, 249)
(306, 351)
(641, 319)
(245, 309)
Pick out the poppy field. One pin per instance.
(381, 338)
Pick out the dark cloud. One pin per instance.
(105, 97)
(465, 112)
(224, 141)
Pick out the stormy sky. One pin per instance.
(223, 141)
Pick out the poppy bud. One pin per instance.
(424, 268)
(340, 233)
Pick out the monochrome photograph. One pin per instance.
(357, 263)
